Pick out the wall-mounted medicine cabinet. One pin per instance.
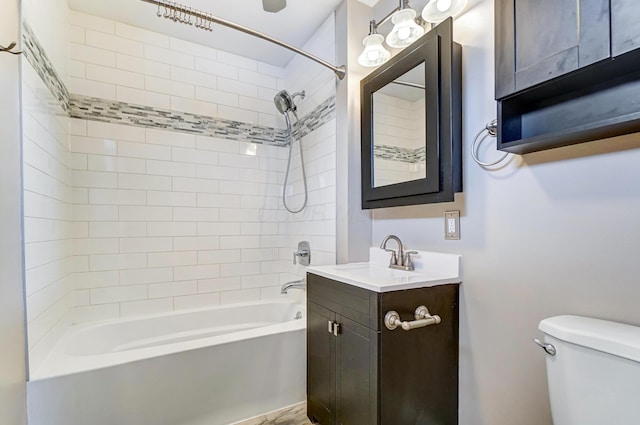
(411, 129)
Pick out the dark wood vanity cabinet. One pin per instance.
(361, 373)
(562, 70)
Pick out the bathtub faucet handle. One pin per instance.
(304, 252)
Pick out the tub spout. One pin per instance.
(295, 284)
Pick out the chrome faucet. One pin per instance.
(400, 259)
(295, 284)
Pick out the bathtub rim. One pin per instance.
(58, 363)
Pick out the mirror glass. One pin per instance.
(400, 129)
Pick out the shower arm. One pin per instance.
(340, 71)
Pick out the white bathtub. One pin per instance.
(207, 366)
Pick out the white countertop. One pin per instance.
(431, 269)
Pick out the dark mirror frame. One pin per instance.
(442, 58)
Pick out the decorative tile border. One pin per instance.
(37, 57)
(97, 109)
(93, 108)
(322, 114)
(396, 153)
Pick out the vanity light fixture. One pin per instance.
(405, 29)
(437, 11)
(374, 53)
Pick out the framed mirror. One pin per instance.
(411, 150)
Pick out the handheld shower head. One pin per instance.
(285, 104)
(284, 101)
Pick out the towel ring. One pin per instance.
(9, 49)
(491, 129)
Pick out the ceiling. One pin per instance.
(294, 25)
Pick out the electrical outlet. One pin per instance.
(452, 225)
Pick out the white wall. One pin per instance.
(353, 234)
(12, 329)
(551, 233)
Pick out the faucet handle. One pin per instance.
(304, 252)
(394, 257)
(407, 259)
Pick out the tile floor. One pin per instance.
(293, 415)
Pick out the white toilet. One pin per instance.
(593, 371)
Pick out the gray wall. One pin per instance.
(12, 339)
(353, 232)
(551, 233)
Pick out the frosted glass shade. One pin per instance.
(438, 10)
(405, 30)
(374, 53)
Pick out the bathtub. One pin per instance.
(194, 367)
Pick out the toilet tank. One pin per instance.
(594, 377)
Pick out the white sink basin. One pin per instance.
(431, 268)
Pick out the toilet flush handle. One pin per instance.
(549, 348)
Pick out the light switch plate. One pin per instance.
(452, 225)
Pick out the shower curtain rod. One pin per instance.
(340, 71)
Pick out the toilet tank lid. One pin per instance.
(614, 338)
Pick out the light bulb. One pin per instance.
(437, 11)
(404, 33)
(405, 30)
(374, 53)
(443, 5)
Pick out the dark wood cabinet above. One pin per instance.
(543, 39)
(567, 71)
(625, 26)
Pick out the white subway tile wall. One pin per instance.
(120, 62)
(48, 224)
(125, 220)
(198, 220)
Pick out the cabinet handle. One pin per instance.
(333, 328)
(423, 318)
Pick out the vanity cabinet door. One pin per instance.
(625, 26)
(357, 378)
(538, 40)
(321, 365)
